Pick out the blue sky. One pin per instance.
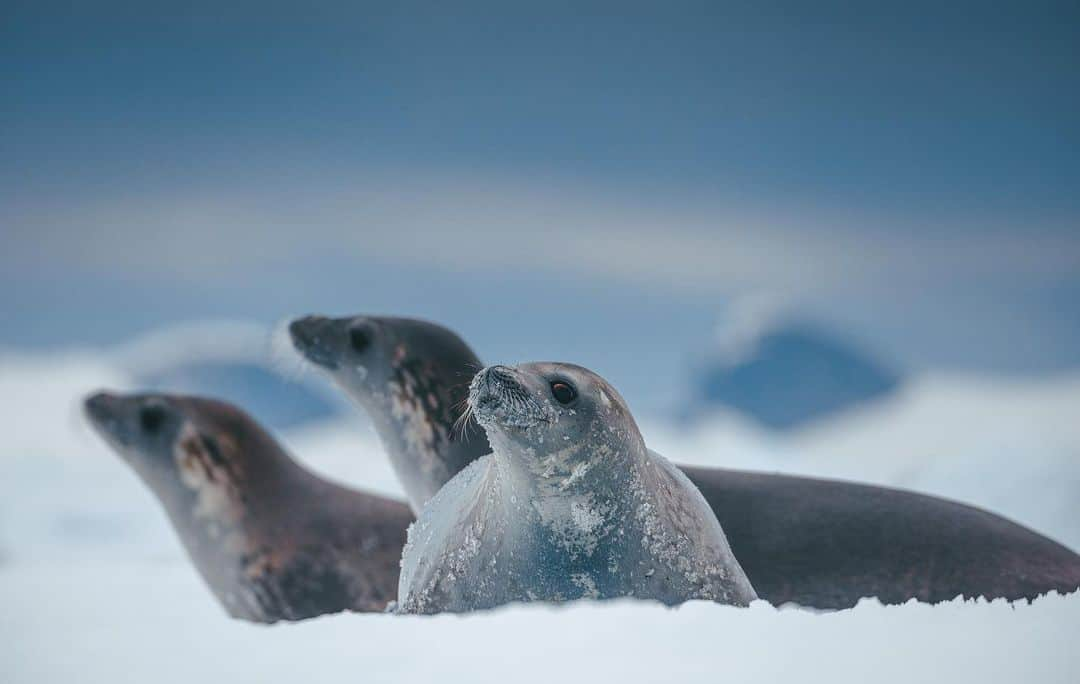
(590, 183)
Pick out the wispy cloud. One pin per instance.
(483, 224)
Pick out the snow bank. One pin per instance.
(143, 623)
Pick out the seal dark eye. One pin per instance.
(359, 340)
(563, 392)
(151, 417)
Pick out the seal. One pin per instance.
(272, 540)
(570, 505)
(412, 378)
(827, 543)
(819, 543)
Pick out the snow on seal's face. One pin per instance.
(555, 417)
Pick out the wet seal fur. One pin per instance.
(412, 378)
(570, 505)
(815, 542)
(271, 539)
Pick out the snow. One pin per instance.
(95, 587)
(145, 623)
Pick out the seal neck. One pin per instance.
(426, 449)
(576, 470)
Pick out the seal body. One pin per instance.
(569, 505)
(820, 543)
(272, 540)
(828, 543)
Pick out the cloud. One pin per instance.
(680, 243)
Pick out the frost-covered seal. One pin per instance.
(815, 542)
(412, 378)
(271, 539)
(570, 505)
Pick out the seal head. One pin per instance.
(272, 540)
(555, 422)
(171, 448)
(411, 377)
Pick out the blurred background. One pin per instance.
(832, 239)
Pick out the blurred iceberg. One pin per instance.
(785, 372)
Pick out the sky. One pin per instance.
(594, 182)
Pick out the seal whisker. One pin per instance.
(460, 426)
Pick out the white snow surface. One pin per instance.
(96, 588)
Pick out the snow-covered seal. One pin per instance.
(815, 542)
(570, 505)
(271, 539)
(412, 378)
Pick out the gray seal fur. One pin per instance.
(272, 540)
(570, 505)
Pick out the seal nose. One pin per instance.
(493, 381)
(302, 330)
(499, 375)
(311, 337)
(99, 405)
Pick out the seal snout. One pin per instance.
(496, 378)
(313, 337)
(105, 412)
(99, 406)
(490, 384)
(498, 394)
